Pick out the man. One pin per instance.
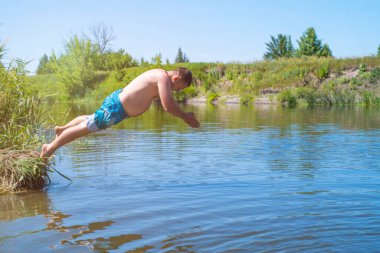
(131, 101)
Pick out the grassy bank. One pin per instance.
(291, 81)
(20, 124)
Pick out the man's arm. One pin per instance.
(169, 105)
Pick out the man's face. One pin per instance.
(179, 84)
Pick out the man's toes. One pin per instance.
(44, 150)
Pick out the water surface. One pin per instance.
(262, 179)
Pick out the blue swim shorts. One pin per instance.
(110, 113)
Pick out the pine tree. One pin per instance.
(310, 45)
(279, 47)
(181, 57)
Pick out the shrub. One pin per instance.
(323, 72)
(309, 95)
(247, 98)
(211, 97)
(375, 75)
(289, 97)
(363, 68)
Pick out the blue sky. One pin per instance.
(208, 30)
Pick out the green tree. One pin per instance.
(378, 51)
(157, 60)
(181, 57)
(325, 51)
(118, 60)
(75, 68)
(310, 45)
(45, 65)
(279, 47)
(143, 62)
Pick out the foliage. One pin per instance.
(323, 72)
(375, 74)
(118, 60)
(211, 97)
(20, 124)
(157, 60)
(279, 47)
(310, 45)
(329, 94)
(378, 51)
(185, 94)
(46, 64)
(143, 62)
(363, 68)
(19, 111)
(21, 170)
(76, 67)
(181, 57)
(289, 97)
(247, 98)
(85, 60)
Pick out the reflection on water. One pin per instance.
(250, 180)
(14, 206)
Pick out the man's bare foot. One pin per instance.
(45, 151)
(58, 130)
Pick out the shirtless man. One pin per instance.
(131, 101)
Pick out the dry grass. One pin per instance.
(23, 170)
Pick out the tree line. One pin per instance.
(308, 45)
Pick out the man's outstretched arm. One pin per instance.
(169, 105)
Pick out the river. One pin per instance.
(251, 179)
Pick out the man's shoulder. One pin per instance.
(159, 74)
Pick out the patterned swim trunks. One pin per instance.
(110, 113)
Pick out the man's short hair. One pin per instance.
(185, 74)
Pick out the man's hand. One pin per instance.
(191, 120)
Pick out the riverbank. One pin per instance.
(309, 80)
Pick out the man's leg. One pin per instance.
(74, 122)
(66, 136)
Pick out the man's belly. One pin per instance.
(135, 106)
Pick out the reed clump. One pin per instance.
(20, 133)
(22, 170)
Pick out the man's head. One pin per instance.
(182, 78)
